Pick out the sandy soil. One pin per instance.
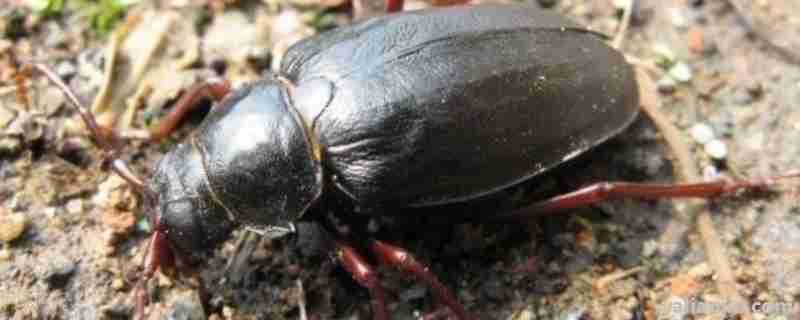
(83, 233)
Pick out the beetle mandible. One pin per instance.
(407, 110)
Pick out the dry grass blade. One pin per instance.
(686, 169)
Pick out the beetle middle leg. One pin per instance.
(603, 191)
(215, 90)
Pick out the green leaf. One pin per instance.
(47, 7)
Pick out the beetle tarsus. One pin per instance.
(365, 275)
(603, 191)
(406, 262)
(215, 90)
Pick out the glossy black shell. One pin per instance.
(447, 105)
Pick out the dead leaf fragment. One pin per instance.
(146, 47)
(696, 39)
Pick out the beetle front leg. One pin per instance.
(214, 90)
(406, 262)
(365, 275)
(158, 255)
(603, 191)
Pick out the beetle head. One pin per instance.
(185, 211)
(268, 182)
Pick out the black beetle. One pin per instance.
(410, 110)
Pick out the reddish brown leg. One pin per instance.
(445, 3)
(441, 313)
(406, 262)
(159, 255)
(394, 6)
(366, 276)
(214, 90)
(610, 190)
(106, 141)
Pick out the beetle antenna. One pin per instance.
(104, 140)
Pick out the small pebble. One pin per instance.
(702, 133)
(702, 270)
(118, 284)
(227, 312)
(66, 69)
(678, 18)
(696, 39)
(74, 207)
(55, 37)
(186, 306)
(666, 84)
(755, 88)
(58, 272)
(117, 310)
(12, 226)
(716, 149)
(575, 314)
(10, 145)
(680, 71)
(621, 4)
(742, 97)
(525, 314)
(5, 254)
(618, 313)
(649, 248)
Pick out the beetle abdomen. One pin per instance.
(446, 105)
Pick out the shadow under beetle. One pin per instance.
(408, 110)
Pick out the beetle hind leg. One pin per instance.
(603, 191)
(365, 275)
(406, 262)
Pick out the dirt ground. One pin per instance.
(72, 234)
